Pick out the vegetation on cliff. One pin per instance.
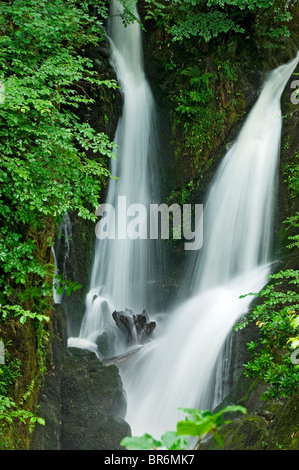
(205, 49)
(52, 161)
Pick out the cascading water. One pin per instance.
(238, 223)
(65, 233)
(123, 269)
(178, 369)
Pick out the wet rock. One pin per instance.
(93, 405)
(137, 328)
(125, 323)
(105, 344)
(144, 327)
(48, 437)
(82, 401)
(246, 433)
(79, 351)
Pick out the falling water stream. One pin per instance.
(123, 274)
(65, 233)
(177, 369)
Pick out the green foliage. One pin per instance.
(207, 25)
(9, 372)
(50, 161)
(200, 118)
(183, 194)
(65, 285)
(197, 424)
(292, 223)
(185, 19)
(156, 11)
(277, 318)
(210, 19)
(9, 413)
(204, 106)
(291, 174)
(128, 13)
(18, 311)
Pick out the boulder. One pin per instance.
(93, 405)
(49, 402)
(82, 401)
(137, 328)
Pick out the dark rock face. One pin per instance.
(93, 405)
(267, 426)
(243, 434)
(82, 401)
(137, 328)
(48, 437)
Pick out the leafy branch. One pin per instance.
(197, 424)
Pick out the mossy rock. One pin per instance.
(246, 433)
(107, 433)
(275, 427)
(93, 405)
(283, 430)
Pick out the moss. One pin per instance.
(275, 427)
(283, 431)
(27, 343)
(247, 433)
(93, 403)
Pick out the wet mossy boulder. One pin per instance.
(268, 425)
(93, 405)
(85, 377)
(82, 401)
(283, 429)
(47, 437)
(248, 433)
(275, 427)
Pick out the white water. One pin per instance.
(238, 216)
(123, 269)
(65, 231)
(178, 369)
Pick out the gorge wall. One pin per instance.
(82, 401)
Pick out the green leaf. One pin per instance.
(173, 441)
(191, 428)
(144, 442)
(234, 409)
(197, 414)
(295, 322)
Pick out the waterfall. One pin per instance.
(125, 263)
(238, 224)
(62, 249)
(178, 368)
